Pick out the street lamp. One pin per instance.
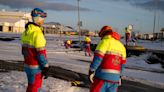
(61, 30)
(155, 11)
(78, 23)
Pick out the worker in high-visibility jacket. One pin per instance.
(87, 42)
(34, 52)
(68, 44)
(127, 35)
(108, 63)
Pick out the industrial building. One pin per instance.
(13, 21)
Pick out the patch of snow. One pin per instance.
(17, 82)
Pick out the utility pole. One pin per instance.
(78, 23)
(61, 30)
(155, 11)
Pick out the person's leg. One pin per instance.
(34, 80)
(97, 85)
(112, 87)
(67, 46)
(103, 86)
(127, 38)
(85, 50)
(89, 50)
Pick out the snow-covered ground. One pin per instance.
(16, 82)
(137, 69)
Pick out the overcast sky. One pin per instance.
(96, 13)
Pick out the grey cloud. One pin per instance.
(144, 4)
(151, 5)
(18, 4)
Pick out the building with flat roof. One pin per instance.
(13, 21)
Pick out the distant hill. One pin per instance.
(52, 23)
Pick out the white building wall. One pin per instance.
(15, 20)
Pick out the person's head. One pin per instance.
(38, 16)
(107, 30)
(126, 28)
(87, 35)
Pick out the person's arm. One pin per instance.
(95, 64)
(42, 58)
(43, 62)
(123, 62)
(99, 54)
(122, 67)
(40, 43)
(98, 57)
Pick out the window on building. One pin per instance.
(1, 28)
(10, 28)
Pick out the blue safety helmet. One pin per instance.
(37, 12)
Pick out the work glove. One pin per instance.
(91, 75)
(44, 72)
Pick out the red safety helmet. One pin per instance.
(105, 30)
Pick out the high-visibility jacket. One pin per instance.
(69, 42)
(33, 46)
(109, 59)
(87, 40)
(128, 31)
